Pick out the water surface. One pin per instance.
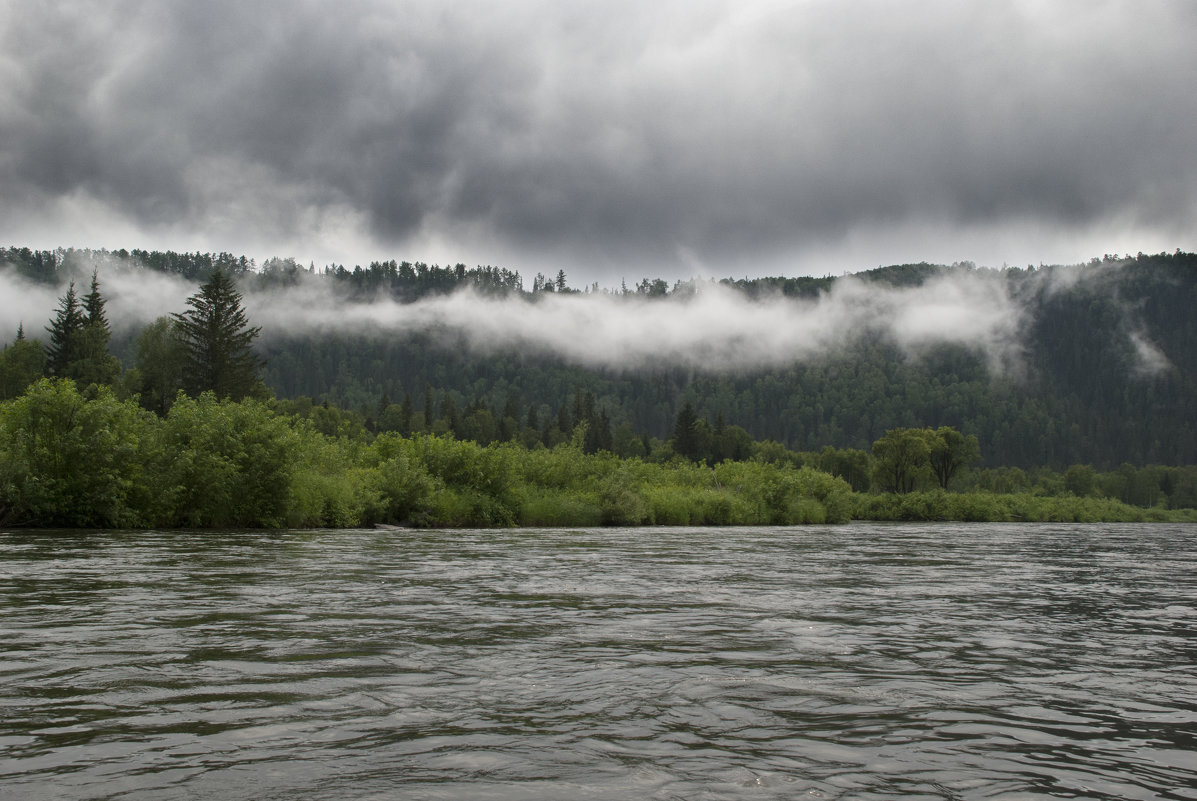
(864, 661)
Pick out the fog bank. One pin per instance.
(715, 329)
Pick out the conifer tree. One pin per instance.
(21, 363)
(64, 334)
(216, 337)
(685, 433)
(93, 364)
(93, 304)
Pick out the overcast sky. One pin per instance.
(611, 139)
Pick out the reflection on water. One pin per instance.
(866, 661)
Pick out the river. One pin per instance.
(946, 661)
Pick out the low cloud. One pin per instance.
(1151, 360)
(716, 329)
(133, 297)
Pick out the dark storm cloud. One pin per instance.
(618, 135)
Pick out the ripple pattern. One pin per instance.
(865, 662)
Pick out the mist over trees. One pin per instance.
(1102, 371)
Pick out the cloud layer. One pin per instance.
(612, 139)
(715, 330)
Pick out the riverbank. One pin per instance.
(90, 460)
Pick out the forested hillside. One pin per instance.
(1107, 374)
(1101, 367)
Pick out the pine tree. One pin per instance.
(685, 433)
(93, 304)
(217, 339)
(93, 364)
(64, 334)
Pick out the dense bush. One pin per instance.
(91, 460)
(67, 460)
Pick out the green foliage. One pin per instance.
(1085, 396)
(94, 365)
(903, 460)
(403, 484)
(1080, 480)
(950, 451)
(71, 460)
(685, 433)
(549, 506)
(476, 484)
(847, 463)
(87, 459)
(987, 507)
(769, 495)
(1081, 398)
(335, 479)
(225, 464)
(157, 375)
(79, 337)
(21, 363)
(216, 340)
(64, 332)
(620, 502)
(329, 487)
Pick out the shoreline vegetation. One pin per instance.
(190, 437)
(91, 460)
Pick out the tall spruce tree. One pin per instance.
(93, 363)
(64, 334)
(216, 337)
(93, 304)
(685, 433)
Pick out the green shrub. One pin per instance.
(225, 464)
(547, 506)
(71, 460)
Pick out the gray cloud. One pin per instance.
(716, 329)
(610, 139)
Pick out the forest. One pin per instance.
(200, 419)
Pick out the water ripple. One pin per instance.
(862, 662)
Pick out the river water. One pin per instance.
(864, 661)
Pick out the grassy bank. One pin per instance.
(1012, 507)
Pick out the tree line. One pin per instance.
(885, 426)
(90, 459)
(206, 348)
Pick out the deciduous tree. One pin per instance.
(902, 459)
(950, 452)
